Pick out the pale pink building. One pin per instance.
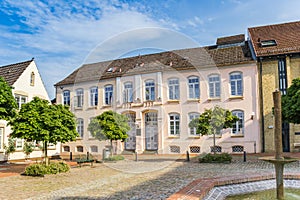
(161, 93)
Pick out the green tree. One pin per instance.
(212, 121)
(40, 121)
(10, 147)
(8, 103)
(28, 148)
(109, 126)
(291, 103)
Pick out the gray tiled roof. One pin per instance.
(183, 59)
(287, 37)
(12, 72)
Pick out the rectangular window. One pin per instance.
(108, 94)
(20, 100)
(282, 76)
(173, 89)
(194, 89)
(238, 127)
(214, 86)
(236, 83)
(150, 90)
(128, 92)
(80, 127)
(66, 97)
(79, 98)
(1, 137)
(94, 96)
(174, 120)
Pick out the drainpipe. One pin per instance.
(261, 105)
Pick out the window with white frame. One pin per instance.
(194, 87)
(79, 98)
(173, 89)
(128, 92)
(1, 137)
(174, 124)
(150, 90)
(108, 94)
(192, 116)
(214, 86)
(238, 126)
(80, 126)
(20, 100)
(236, 84)
(66, 97)
(94, 96)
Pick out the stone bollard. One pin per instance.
(71, 157)
(245, 156)
(187, 156)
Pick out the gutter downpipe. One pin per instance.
(261, 106)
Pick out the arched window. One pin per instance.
(32, 79)
(236, 83)
(238, 126)
(80, 127)
(214, 86)
(194, 87)
(174, 124)
(192, 131)
(94, 96)
(108, 94)
(173, 85)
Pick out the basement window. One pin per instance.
(268, 43)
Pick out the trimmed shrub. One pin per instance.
(42, 169)
(216, 158)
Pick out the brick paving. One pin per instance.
(152, 177)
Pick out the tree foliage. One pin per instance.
(109, 126)
(8, 103)
(213, 121)
(291, 103)
(40, 121)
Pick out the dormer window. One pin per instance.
(32, 77)
(268, 43)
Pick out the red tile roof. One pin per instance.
(12, 72)
(286, 36)
(184, 59)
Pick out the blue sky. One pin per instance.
(62, 35)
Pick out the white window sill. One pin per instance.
(237, 135)
(173, 136)
(236, 97)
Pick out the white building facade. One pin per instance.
(161, 93)
(27, 83)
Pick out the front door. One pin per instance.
(130, 143)
(151, 131)
(286, 137)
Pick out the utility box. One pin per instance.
(105, 153)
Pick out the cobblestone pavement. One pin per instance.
(152, 177)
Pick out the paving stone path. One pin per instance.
(152, 177)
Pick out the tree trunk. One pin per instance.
(46, 153)
(214, 139)
(111, 148)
